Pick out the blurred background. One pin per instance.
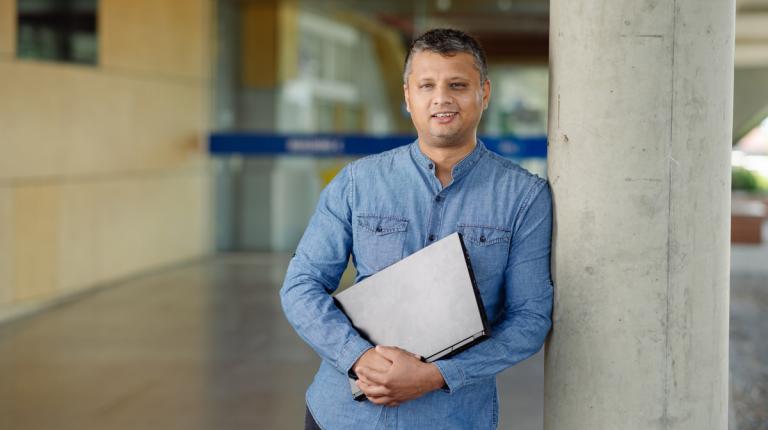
(159, 160)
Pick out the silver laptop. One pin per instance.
(427, 303)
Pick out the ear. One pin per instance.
(486, 93)
(407, 100)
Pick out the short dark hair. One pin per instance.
(447, 41)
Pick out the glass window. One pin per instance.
(58, 30)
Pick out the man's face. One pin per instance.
(445, 98)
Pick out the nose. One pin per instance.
(442, 96)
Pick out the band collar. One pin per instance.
(459, 169)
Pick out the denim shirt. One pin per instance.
(385, 207)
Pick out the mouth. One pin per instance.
(444, 117)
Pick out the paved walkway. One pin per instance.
(205, 346)
(749, 330)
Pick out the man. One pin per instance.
(387, 206)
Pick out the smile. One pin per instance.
(444, 114)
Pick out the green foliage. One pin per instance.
(762, 183)
(743, 179)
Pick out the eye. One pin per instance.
(426, 86)
(458, 85)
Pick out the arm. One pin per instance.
(522, 326)
(314, 273)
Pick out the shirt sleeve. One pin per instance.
(314, 273)
(522, 326)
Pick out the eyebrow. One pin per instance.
(452, 78)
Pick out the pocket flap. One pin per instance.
(381, 225)
(484, 235)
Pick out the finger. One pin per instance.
(373, 376)
(371, 358)
(369, 391)
(375, 390)
(379, 362)
(361, 377)
(381, 400)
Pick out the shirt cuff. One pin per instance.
(453, 376)
(350, 353)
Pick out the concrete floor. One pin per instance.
(205, 346)
(748, 330)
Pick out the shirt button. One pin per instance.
(438, 199)
(431, 166)
(378, 229)
(431, 237)
(482, 238)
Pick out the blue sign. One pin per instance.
(336, 145)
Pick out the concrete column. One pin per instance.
(639, 162)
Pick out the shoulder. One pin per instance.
(522, 188)
(507, 171)
(382, 161)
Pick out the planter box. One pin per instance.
(747, 218)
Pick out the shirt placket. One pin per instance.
(435, 222)
(387, 419)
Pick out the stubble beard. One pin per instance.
(448, 139)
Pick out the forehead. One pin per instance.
(427, 64)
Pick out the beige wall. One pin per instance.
(103, 172)
(73, 120)
(169, 38)
(6, 238)
(7, 27)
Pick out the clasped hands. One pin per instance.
(390, 376)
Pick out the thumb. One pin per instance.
(389, 352)
(392, 352)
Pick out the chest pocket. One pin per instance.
(488, 249)
(379, 242)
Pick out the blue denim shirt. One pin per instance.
(384, 207)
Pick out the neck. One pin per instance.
(446, 157)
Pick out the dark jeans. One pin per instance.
(309, 422)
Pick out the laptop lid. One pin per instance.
(427, 303)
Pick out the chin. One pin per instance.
(443, 134)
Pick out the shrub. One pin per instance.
(743, 179)
(762, 183)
